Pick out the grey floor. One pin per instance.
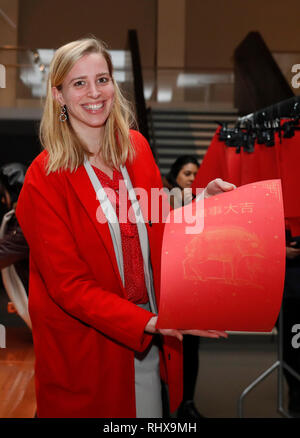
(227, 367)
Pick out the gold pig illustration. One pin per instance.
(228, 255)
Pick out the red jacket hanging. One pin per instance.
(220, 161)
(288, 157)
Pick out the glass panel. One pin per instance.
(34, 68)
(173, 87)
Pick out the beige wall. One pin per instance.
(194, 33)
(9, 36)
(51, 23)
(215, 27)
(171, 33)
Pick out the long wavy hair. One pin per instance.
(65, 149)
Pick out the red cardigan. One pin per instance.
(85, 331)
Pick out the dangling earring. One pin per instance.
(63, 115)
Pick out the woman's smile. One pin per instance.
(93, 108)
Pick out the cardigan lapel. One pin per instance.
(143, 203)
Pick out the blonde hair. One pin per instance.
(65, 149)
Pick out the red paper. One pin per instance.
(230, 276)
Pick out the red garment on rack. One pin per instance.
(262, 164)
(289, 162)
(288, 154)
(266, 162)
(219, 162)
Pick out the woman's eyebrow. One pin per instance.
(85, 76)
(77, 79)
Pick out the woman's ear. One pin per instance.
(57, 95)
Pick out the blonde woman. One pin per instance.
(93, 298)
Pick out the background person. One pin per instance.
(13, 246)
(14, 251)
(181, 175)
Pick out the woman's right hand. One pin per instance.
(292, 253)
(151, 328)
(217, 186)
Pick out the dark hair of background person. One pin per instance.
(12, 176)
(177, 166)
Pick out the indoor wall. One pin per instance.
(214, 28)
(49, 24)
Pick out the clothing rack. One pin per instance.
(284, 109)
(280, 365)
(282, 118)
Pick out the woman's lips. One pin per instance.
(93, 107)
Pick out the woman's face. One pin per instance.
(88, 93)
(186, 175)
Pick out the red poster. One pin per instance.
(230, 276)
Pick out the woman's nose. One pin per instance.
(93, 90)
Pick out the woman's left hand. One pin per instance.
(151, 328)
(216, 187)
(203, 333)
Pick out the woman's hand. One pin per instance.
(216, 187)
(292, 253)
(151, 328)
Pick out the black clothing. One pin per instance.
(14, 250)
